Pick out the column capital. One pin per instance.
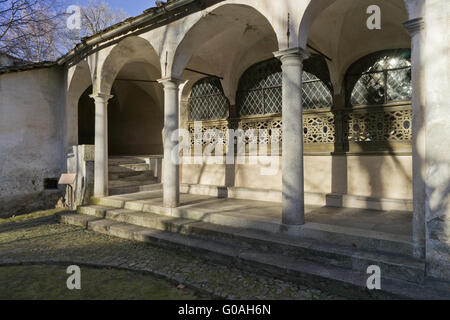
(101, 97)
(414, 26)
(170, 82)
(300, 53)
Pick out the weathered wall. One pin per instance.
(436, 131)
(31, 108)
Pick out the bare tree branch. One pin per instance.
(36, 30)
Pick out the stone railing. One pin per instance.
(378, 124)
(371, 128)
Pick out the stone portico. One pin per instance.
(355, 120)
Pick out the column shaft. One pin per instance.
(101, 144)
(415, 28)
(292, 148)
(171, 170)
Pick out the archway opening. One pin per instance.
(216, 51)
(86, 118)
(371, 110)
(136, 113)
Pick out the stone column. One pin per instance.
(292, 148)
(171, 169)
(415, 28)
(101, 144)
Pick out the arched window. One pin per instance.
(259, 89)
(378, 94)
(380, 78)
(207, 100)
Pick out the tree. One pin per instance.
(27, 28)
(96, 16)
(36, 30)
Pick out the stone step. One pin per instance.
(129, 167)
(132, 176)
(343, 236)
(333, 279)
(135, 188)
(128, 174)
(132, 181)
(117, 160)
(394, 266)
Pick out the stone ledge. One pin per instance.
(292, 269)
(318, 199)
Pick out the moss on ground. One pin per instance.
(48, 282)
(31, 216)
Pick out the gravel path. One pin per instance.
(44, 240)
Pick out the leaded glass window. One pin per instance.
(207, 100)
(315, 93)
(260, 92)
(260, 89)
(380, 78)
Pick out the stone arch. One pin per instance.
(333, 35)
(79, 79)
(315, 7)
(130, 49)
(215, 24)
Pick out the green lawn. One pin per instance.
(31, 216)
(48, 282)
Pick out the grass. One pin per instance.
(31, 216)
(48, 282)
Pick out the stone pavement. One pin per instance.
(44, 240)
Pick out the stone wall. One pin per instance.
(31, 109)
(436, 131)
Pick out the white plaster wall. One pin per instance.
(31, 109)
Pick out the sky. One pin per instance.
(131, 7)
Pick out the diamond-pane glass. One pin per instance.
(272, 98)
(380, 78)
(370, 89)
(399, 85)
(260, 90)
(207, 100)
(315, 94)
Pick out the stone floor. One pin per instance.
(44, 241)
(390, 222)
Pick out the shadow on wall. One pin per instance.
(133, 129)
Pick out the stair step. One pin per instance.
(401, 267)
(346, 237)
(129, 167)
(131, 182)
(126, 175)
(294, 268)
(132, 176)
(127, 160)
(135, 188)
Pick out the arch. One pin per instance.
(79, 78)
(240, 16)
(316, 7)
(207, 100)
(338, 28)
(86, 118)
(131, 49)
